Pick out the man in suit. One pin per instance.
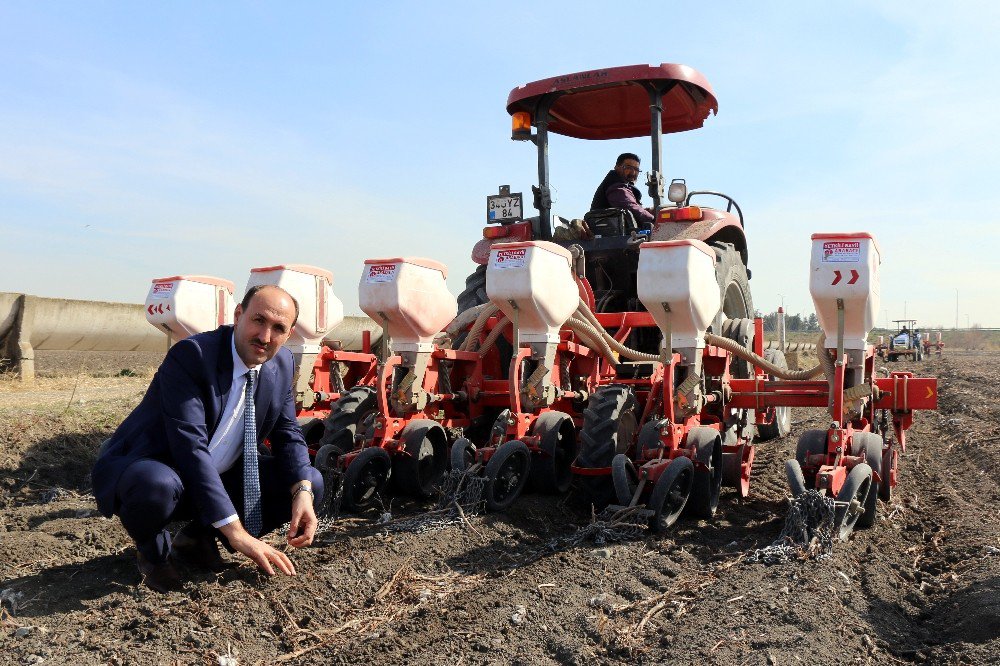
(185, 452)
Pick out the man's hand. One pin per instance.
(258, 551)
(302, 527)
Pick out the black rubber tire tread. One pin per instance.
(412, 472)
(796, 481)
(871, 444)
(462, 455)
(326, 458)
(858, 482)
(810, 442)
(312, 431)
(373, 455)
(341, 424)
(782, 423)
(475, 290)
(679, 471)
(734, 282)
(625, 478)
(599, 440)
(706, 486)
(475, 294)
(496, 465)
(551, 471)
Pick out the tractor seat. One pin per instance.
(611, 222)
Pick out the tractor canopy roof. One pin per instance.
(614, 103)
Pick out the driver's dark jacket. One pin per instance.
(615, 192)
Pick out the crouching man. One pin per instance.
(189, 450)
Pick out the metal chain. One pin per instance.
(808, 532)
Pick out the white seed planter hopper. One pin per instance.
(533, 285)
(319, 312)
(409, 298)
(184, 305)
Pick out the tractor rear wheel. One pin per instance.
(609, 427)
(734, 282)
(353, 412)
(474, 295)
(737, 307)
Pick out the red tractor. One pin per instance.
(618, 103)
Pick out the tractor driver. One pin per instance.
(618, 190)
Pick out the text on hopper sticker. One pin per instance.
(513, 258)
(842, 251)
(163, 289)
(381, 273)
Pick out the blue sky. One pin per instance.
(140, 140)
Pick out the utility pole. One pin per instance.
(956, 308)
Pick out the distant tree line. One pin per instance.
(793, 322)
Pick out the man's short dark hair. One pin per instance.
(627, 156)
(252, 291)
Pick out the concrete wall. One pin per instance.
(32, 323)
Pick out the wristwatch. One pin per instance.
(303, 488)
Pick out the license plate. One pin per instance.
(503, 208)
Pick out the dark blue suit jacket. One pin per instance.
(181, 410)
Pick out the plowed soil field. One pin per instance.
(525, 587)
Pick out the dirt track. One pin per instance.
(923, 585)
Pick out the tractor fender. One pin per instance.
(715, 226)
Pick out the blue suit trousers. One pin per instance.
(150, 495)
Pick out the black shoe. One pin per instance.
(161, 577)
(202, 553)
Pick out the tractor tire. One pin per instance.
(474, 295)
(610, 423)
(707, 484)
(781, 423)
(734, 282)
(736, 305)
(475, 290)
(340, 426)
(871, 445)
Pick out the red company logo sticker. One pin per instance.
(842, 251)
(378, 270)
(507, 256)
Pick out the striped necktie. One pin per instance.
(251, 476)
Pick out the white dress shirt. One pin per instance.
(226, 445)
